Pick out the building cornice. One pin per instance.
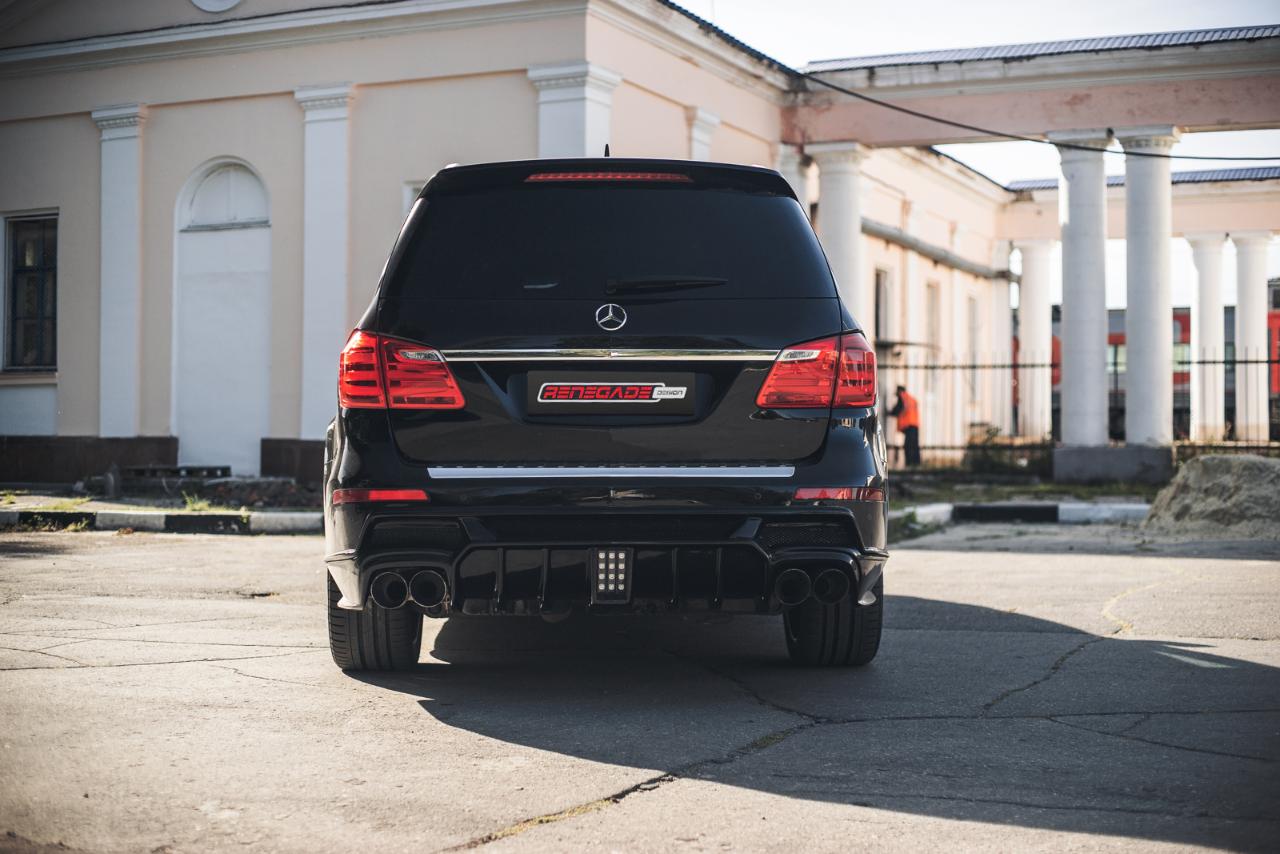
(992, 76)
(957, 173)
(275, 30)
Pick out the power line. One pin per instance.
(1013, 136)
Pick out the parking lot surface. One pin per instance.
(1038, 688)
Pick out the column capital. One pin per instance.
(570, 78)
(1251, 239)
(1034, 244)
(835, 155)
(702, 120)
(1098, 137)
(1205, 239)
(789, 157)
(120, 121)
(324, 103)
(1155, 138)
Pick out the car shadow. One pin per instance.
(969, 713)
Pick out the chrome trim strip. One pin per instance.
(529, 472)
(589, 354)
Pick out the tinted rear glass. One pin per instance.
(569, 242)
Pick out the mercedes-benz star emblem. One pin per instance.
(611, 317)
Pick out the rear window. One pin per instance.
(586, 241)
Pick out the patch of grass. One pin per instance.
(76, 527)
(8, 497)
(64, 505)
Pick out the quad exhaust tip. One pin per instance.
(792, 587)
(428, 588)
(389, 590)
(830, 586)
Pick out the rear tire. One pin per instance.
(845, 634)
(375, 638)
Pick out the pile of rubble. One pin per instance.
(1220, 497)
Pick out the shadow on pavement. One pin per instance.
(969, 713)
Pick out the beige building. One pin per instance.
(197, 198)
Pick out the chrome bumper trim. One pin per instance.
(539, 472)
(588, 354)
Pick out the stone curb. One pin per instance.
(1074, 513)
(312, 522)
(175, 523)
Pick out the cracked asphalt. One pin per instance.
(1039, 687)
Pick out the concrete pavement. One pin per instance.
(1039, 688)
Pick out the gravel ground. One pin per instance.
(1039, 687)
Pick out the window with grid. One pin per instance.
(31, 309)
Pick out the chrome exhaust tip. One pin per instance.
(389, 590)
(830, 586)
(792, 587)
(428, 588)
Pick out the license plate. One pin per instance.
(611, 574)
(630, 393)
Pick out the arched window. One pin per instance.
(230, 196)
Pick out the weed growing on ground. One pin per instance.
(195, 503)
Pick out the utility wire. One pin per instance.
(1013, 136)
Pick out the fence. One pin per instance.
(983, 416)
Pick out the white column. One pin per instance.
(1082, 214)
(120, 270)
(1000, 344)
(795, 168)
(1252, 415)
(575, 108)
(1035, 340)
(840, 225)
(325, 235)
(1148, 322)
(702, 126)
(1207, 386)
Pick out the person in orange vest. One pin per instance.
(907, 411)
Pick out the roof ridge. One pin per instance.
(1087, 44)
(1191, 176)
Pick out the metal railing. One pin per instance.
(974, 416)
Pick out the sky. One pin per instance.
(800, 31)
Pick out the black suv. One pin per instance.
(614, 385)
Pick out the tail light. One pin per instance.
(660, 177)
(359, 378)
(363, 496)
(375, 372)
(838, 371)
(840, 493)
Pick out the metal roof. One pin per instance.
(1013, 52)
(1200, 176)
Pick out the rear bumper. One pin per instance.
(514, 560)
(522, 541)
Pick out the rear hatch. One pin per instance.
(592, 317)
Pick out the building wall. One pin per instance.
(663, 79)
(51, 165)
(423, 99)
